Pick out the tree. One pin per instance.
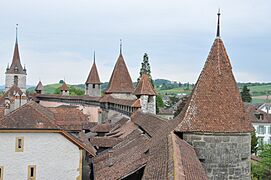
(262, 169)
(61, 81)
(159, 103)
(145, 68)
(246, 96)
(254, 143)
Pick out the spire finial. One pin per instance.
(16, 33)
(120, 46)
(218, 23)
(94, 58)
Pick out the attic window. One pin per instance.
(93, 86)
(32, 172)
(19, 144)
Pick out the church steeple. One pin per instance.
(16, 66)
(16, 73)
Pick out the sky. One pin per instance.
(57, 38)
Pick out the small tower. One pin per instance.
(93, 83)
(15, 73)
(39, 88)
(64, 90)
(214, 120)
(147, 95)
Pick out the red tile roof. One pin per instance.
(145, 87)
(215, 104)
(102, 128)
(11, 93)
(120, 81)
(93, 77)
(29, 116)
(16, 66)
(64, 87)
(110, 99)
(105, 142)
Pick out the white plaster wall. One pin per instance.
(21, 81)
(124, 96)
(267, 135)
(55, 157)
(90, 91)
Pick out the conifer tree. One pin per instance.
(145, 68)
(246, 96)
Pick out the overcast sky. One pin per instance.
(57, 37)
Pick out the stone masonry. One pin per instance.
(93, 90)
(223, 156)
(21, 81)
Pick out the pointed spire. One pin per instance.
(93, 76)
(16, 66)
(120, 46)
(145, 87)
(94, 58)
(16, 34)
(218, 24)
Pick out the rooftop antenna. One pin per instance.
(218, 24)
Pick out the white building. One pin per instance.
(261, 121)
(34, 147)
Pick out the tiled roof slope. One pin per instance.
(93, 77)
(145, 87)
(29, 116)
(149, 146)
(215, 104)
(120, 81)
(70, 119)
(64, 87)
(39, 87)
(16, 66)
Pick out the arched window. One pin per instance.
(16, 80)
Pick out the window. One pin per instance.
(1, 172)
(19, 144)
(261, 129)
(93, 86)
(31, 172)
(269, 129)
(260, 141)
(16, 80)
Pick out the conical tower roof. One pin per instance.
(215, 104)
(93, 77)
(145, 87)
(64, 87)
(39, 87)
(120, 81)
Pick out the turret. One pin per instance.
(39, 88)
(64, 89)
(93, 83)
(147, 95)
(214, 120)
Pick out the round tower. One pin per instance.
(214, 120)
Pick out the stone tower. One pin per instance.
(214, 121)
(64, 89)
(15, 73)
(147, 95)
(39, 88)
(93, 83)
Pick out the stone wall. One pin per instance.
(10, 81)
(223, 156)
(148, 103)
(93, 91)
